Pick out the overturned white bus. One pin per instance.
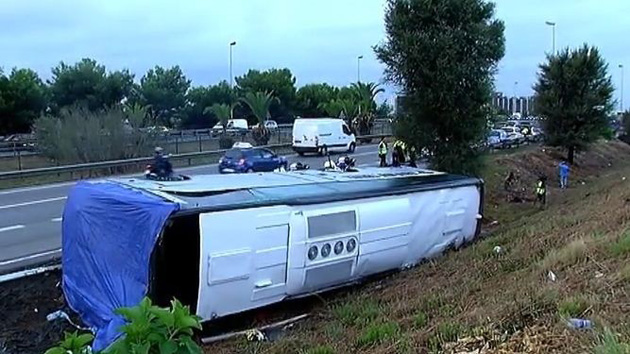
(223, 246)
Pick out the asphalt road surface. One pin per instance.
(30, 218)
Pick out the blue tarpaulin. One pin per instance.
(108, 234)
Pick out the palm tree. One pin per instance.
(340, 107)
(366, 93)
(259, 103)
(223, 112)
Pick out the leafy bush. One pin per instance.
(152, 329)
(149, 330)
(82, 136)
(73, 343)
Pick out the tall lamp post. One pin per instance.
(232, 44)
(621, 98)
(359, 68)
(553, 35)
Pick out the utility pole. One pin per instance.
(232, 44)
(621, 98)
(553, 36)
(359, 68)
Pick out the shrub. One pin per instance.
(82, 136)
(73, 343)
(149, 329)
(152, 329)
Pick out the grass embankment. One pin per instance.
(503, 302)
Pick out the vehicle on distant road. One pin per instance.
(497, 139)
(271, 125)
(322, 135)
(514, 135)
(234, 127)
(250, 159)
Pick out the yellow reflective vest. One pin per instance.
(382, 148)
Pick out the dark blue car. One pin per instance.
(248, 160)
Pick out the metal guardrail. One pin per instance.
(36, 172)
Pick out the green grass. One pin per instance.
(446, 332)
(570, 254)
(378, 333)
(357, 312)
(420, 320)
(609, 344)
(573, 306)
(621, 247)
(334, 330)
(322, 349)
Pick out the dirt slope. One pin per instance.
(477, 299)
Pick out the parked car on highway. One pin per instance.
(271, 125)
(514, 136)
(497, 139)
(247, 159)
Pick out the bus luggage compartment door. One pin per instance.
(243, 260)
(323, 248)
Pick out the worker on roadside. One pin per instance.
(412, 156)
(541, 192)
(563, 170)
(382, 152)
(399, 148)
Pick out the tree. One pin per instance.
(443, 54)
(340, 108)
(384, 110)
(280, 82)
(366, 94)
(259, 104)
(164, 90)
(199, 98)
(87, 83)
(310, 98)
(574, 97)
(222, 112)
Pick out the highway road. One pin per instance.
(30, 218)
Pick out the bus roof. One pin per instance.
(217, 192)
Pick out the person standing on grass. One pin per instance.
(541, 192)
(563, 169)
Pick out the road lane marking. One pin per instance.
(11, 228)
(37, 188)
(56, 219)
(32, 256)
(32, 203)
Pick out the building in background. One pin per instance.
(512, 105)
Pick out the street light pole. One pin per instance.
(232, 44)
(359, 68)
(621, 99)
(553, 34)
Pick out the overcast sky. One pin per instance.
(318, 40)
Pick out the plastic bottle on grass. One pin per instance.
(578, 323)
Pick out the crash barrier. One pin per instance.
(187, 158)
(226, 245)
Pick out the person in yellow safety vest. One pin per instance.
(382, 152)
(541, 191)
(399, 147)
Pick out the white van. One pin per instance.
(233, 126)
(322, 135)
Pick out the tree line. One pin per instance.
(170, 98)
